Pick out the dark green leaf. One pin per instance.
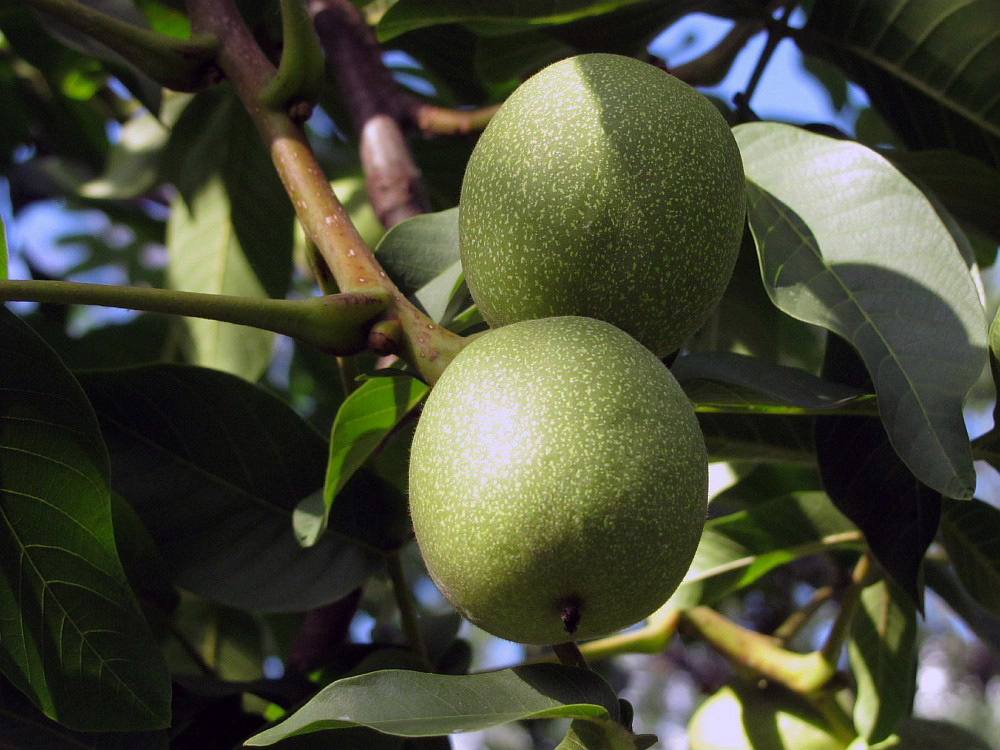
(723, 381)
(758, 437)
(882, 651)
(144, 567)
(738, 549)
(3, 250)
(214, 467)
(868, 482)
(23, 726)
(970, 532)
(407, 15)
(418, 704)
(965, 186)
(848, 243)
(73, 637)
(929, 68)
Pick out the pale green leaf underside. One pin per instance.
(72, 635)
(205, 256)
(846, 242)
(417, 704)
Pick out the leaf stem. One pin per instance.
(426, 346)
(407, 605)
(333, 323)
(183, 65)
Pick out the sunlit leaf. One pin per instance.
(418, 704)
(72, 637)
(882, 651)
(846, 242)
(364, 420)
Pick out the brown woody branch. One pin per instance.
(380, 111)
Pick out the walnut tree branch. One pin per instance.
(424, 345)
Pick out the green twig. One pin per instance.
(334, 323)
(761, 654)
(183, 65)
(426, 346)
(791, 626)
(407, 606)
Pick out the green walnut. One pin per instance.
(607, 188)
(558, 481)
(746, 717)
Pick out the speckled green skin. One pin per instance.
(557, 461)
(744, 717)
(607, 188)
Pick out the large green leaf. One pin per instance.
(739, 548)
(407, 15)
(930, 68)
(846, 242)
(72, 636)
(971, 534)
(214, 467)
(882, 652)
(418, 704)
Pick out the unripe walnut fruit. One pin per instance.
(607, 188)
(558, 481)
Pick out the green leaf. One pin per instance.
(417, 704)
(72, 637)
(421, 256)
(758, 437)
(967, 187)
(846, 242)
(867, 481)
(882, 652)
(970, 532)
(230, 229)
(738, 549)
(727, 382)
(596, 735)
(214, 466)
(24, 726)
(364, 420)
(929, 68)
(407, 15)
